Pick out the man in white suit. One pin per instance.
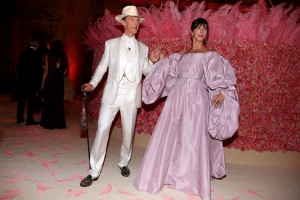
(126, 60)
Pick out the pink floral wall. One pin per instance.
(262, 44)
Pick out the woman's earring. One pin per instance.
(192, 35)
(205, 40)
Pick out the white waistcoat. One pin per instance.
(128, 72)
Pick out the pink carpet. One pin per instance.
(39, 164)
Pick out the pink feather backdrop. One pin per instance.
(262, 44)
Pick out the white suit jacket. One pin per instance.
(111, 60)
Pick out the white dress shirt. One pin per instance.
(129, 50)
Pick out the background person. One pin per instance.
(28, 75)
(56, 64)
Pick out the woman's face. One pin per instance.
(200, 33)
(131, 25)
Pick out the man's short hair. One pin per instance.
(34, 41)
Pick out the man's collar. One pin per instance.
(128, 38)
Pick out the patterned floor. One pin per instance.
(39, 164)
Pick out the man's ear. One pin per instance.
(123, 22)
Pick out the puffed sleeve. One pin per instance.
(160, 80)
(220, 77)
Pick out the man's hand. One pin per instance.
(87, 87)
(156, 55)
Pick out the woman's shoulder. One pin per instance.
(214, 54)
(218, 56)
(184, 51)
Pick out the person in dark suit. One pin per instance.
(28, 76)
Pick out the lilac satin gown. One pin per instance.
(185, 149)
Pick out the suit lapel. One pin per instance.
(140, 63)
(123, 60)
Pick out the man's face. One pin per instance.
(131, 25)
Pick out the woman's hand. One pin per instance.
(87, 87)
(58, 63)
(218, 100)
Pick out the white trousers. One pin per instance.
(125, 103)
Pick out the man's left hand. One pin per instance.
(156, 55)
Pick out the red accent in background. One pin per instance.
(182, 4)
(70, 50)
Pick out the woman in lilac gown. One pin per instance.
(202, 108)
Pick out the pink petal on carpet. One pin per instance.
(250, 192)
(74, 176)
(107, 189)
(30, 166)
(12, 180)
(165, 197)
(191, 197)
(47, 163)
(4, 142)
(45, 147)
(10, 194)
(16, 172)
(21, 175)
(80, 162)
(122, 191)
(23, 129)
(54, 172)
(273, 198)
(9, 153)
(218, 198)
(66, 148)
(75, 192)
(30, 154)
(237, 198)
(212, 190)
(135, 199)
(40, 186)
(15, 164)
(38, 140)
(21, 143)
(56, 154)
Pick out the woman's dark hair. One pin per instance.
(199, 22)
(57, 46)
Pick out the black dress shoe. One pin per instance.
(20, 121)
(29, 123)
(87, 181)
(125, 171)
